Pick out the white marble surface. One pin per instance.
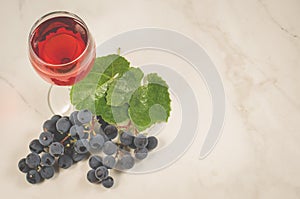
(255, 45)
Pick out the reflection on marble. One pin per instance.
(254, 44)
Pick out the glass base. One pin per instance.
(59, 100)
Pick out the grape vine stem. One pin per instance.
(128, 127)
(63, 140)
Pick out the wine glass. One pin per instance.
(62, 51)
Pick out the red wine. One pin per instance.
(62, 52)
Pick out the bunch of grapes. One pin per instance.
(68, 140)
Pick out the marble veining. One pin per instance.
(20, 94)
(276, 22)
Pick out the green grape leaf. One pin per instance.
(150, 103)
(84, 94)
(113, 90)
(155, 79)
(121, 90)
(111, 114)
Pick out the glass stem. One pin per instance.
(58, 99)
(49, 100)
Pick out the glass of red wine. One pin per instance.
(62, 51)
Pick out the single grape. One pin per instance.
(92, 177)
(33, 177)
(109, 161)
(141, 154)
(47, 172)
(23, 167)
(95, 161)
(96, 142)
(65, 161)
(126, 162)
(35, 146)
(84, 116)
(46, 138)
(109, 148)
(57, 136)
(56, 149)
(101, 172)
(111, 131)
(74, 118)
(33, 160)
(108, 182)
(81, 132)
(140, 141)
(81, 146)
(77, 132)
(50, 125)
(47, 160)
(126, 138)
(55, 117)
(152, 143)
(63, 125)
(73, 132)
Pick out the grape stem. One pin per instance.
(93, 126)
(136, 132)
(63, 140)
(130, 126)
(126, 126)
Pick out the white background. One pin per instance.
(255, 45)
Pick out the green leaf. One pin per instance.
(111, 114)
(84, 94)
(114, 67)
(121, 90)
(113, 90)
(155, 79)
(150, 103)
